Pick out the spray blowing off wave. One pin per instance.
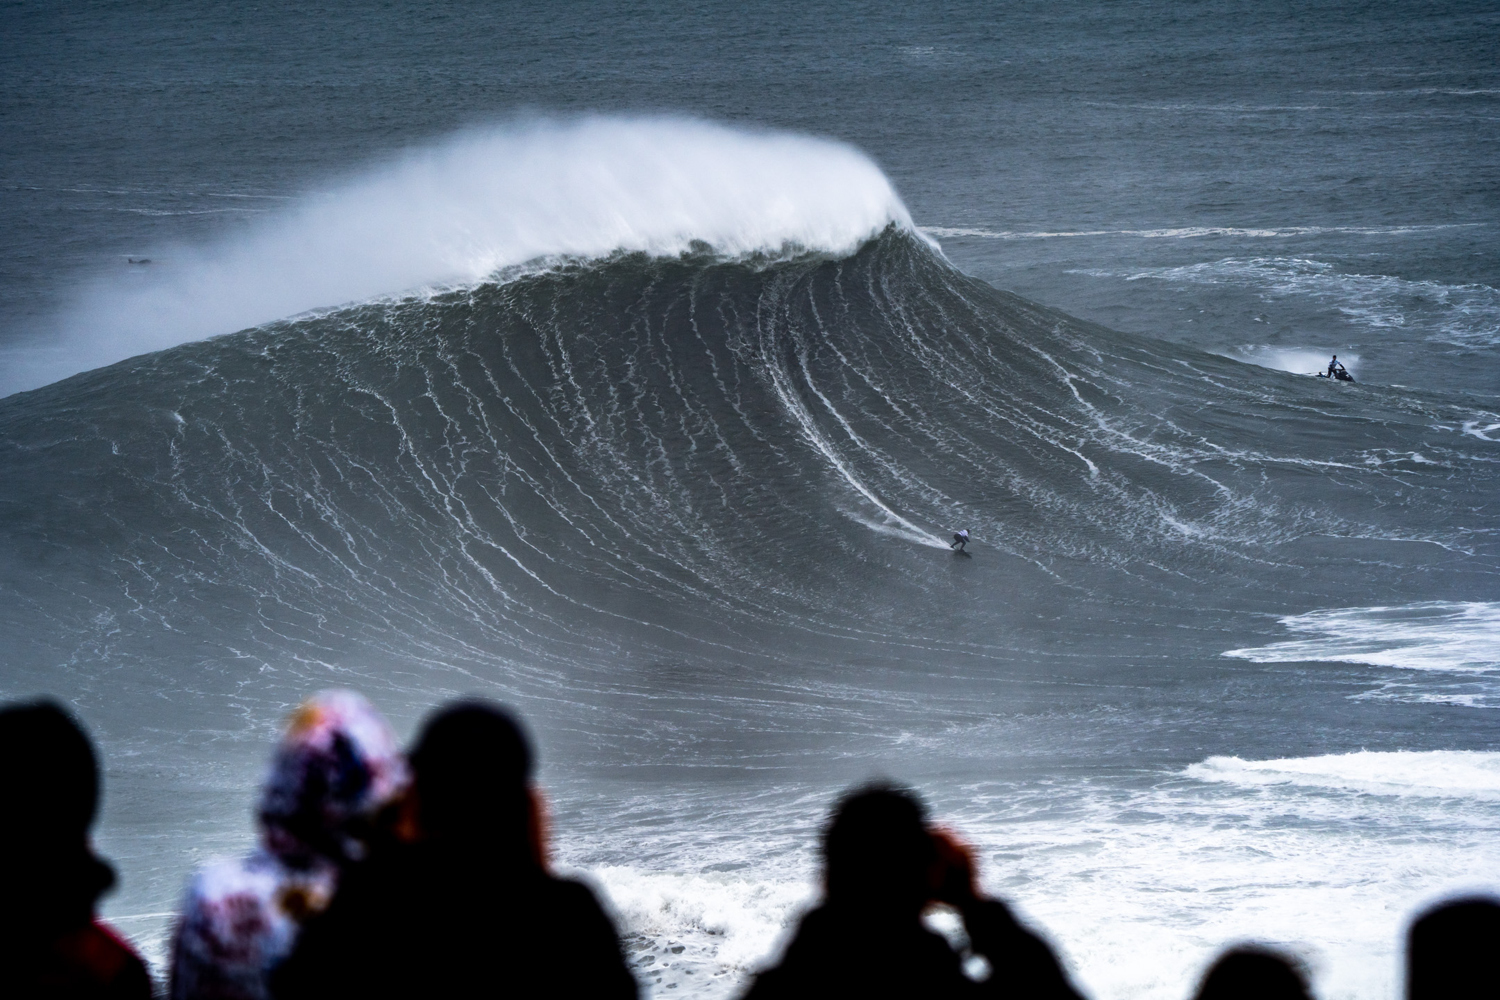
(486, 200)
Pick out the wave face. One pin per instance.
(706, 457)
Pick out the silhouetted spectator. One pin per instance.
(1251, 973)
(51, 944)
(467, 908)
(1452, 951)
(336, 765)
(882, 867)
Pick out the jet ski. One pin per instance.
(1338, 373)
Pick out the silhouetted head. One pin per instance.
(49, 785)
(1451, 951)
(50, 777)
(472, 772)
(877, 852)
(1254, 974)
(336, 765)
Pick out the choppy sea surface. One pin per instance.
(634, 368)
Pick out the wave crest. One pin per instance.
(457, 212)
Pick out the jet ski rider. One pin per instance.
(1334, 368)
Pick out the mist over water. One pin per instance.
(472, 206)
(655, 425)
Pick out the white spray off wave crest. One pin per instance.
(457, 212)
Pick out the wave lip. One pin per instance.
(462, 210)
(1432, 773)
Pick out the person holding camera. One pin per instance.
(883, 866)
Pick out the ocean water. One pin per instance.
(633, 367)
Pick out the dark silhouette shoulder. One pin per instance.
(843, 952)
(462, 905)
(883, 866)
(51, 943)
(414, 923)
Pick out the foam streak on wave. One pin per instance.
(457, 212)
(890, 522)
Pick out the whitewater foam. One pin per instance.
(458, 211)
(1298, 360)
(1429, 635)
(1434, 773)
(1450, 648)
(700, 932)
(1138, 883)
(1473, 428)
(1466, 315)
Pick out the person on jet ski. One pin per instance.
(1337, 370)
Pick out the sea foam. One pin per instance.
(1298, 360)
(1138, 884)
(1448, 636)
(1432, 774)
(459, 211)
(1465, 315)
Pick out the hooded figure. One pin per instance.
(337, 765)
(463, 906)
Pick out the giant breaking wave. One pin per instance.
(696, 396)
(465, 209)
